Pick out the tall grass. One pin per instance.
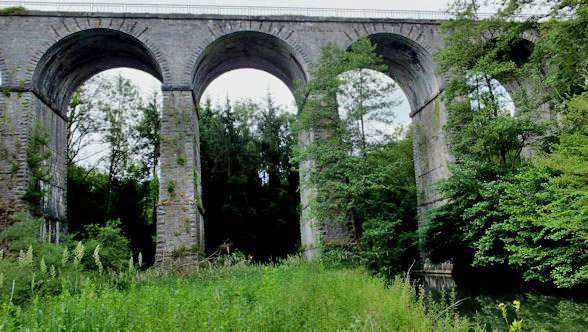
(74, 287)
(291, 296)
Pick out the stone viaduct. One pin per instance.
(45, 56)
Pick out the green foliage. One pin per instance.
(340, 254)
(148, 130)
(13, 11)
(503, 211)
(292, 296)
(561, 49)
(249, 188)
(135, 203)
(546, 231)
(171, 187)
(32, 268)
(517, 324)
(362, 178)
(114, 246)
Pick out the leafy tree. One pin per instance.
(119, 106)
(148, 130)
(365, 179)
(114, 139)
(504, 211)
(546, 232)
(249, 189)
(83, 123)
(486, 140)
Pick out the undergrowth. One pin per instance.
(293, 295)
(74, 287)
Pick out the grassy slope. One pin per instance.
(294, 296)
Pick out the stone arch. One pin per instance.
(73, 59)
(518, 88)
(239, 46)
(409, 58)
(410, 62)
(77, 53)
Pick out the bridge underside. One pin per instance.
(45, 56)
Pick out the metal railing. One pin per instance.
(228, 10)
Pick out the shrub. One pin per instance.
(115, 248)
(13, 11)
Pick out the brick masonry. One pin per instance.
(44, 56)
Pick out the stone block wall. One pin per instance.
(171, 46)
(180, 228)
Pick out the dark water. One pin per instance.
(540, 311)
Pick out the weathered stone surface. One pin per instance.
(44, 56)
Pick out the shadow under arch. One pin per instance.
(247, 49)
(518, 51)
(79, 56)
(410, 65)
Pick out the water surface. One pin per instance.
(540, 310)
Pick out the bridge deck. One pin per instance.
(229, 10)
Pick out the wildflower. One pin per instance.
(33, 282)
(22, 258)
(64, 257)
(43, 266)
(29, 256)
(502, 308)
(78, 253)
(97, 258)
(131, 264)
(517, 305)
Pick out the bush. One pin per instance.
(31, 268)
(115, 249)
(340, 254)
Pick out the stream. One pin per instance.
(540, 311)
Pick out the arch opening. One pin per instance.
(114, 121)
(518, 51)
(247, 49)
(410, 65)
(485, 90)
(249, 189)
(81, 55)
(387, 110)
(62, 69)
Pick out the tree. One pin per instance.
(505, 212)
(82, 125)
(249, 188)
(363, 179)
(114, 149)
(148, 131)
(119, 106)
(275, 137)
